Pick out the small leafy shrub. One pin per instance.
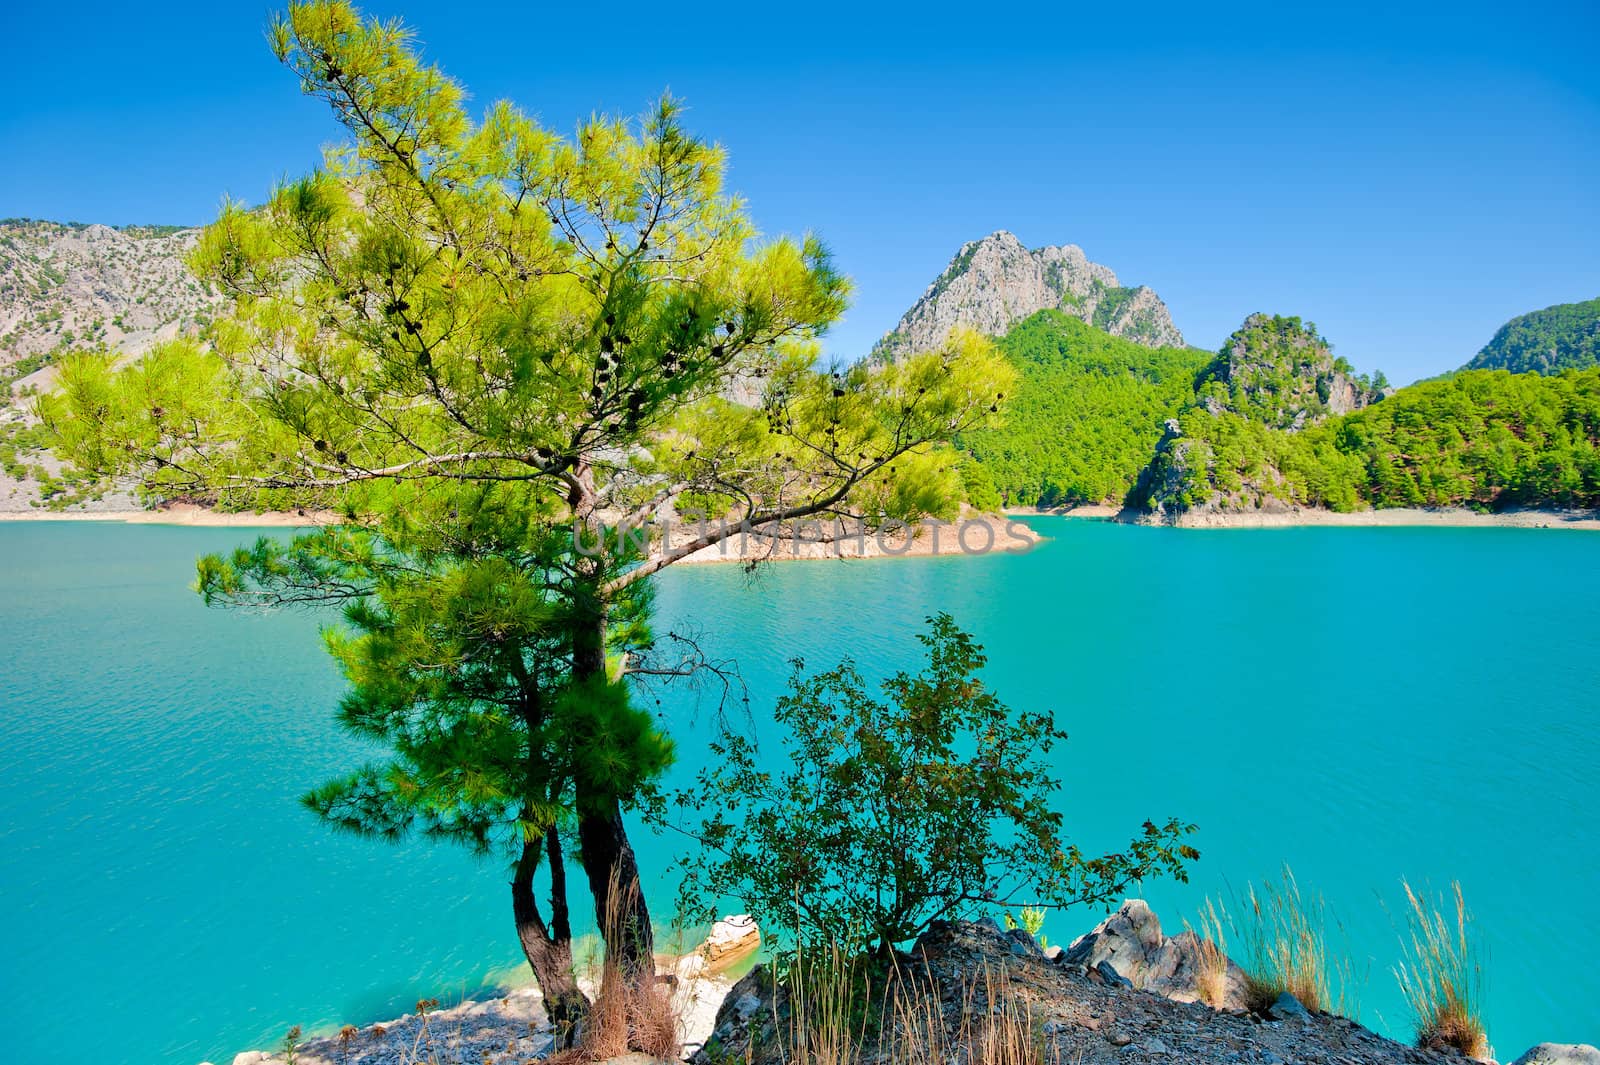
(931, 803)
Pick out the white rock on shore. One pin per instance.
(513, 1027)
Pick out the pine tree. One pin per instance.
(449, 302)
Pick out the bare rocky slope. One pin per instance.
(65, 285)
(995, 282)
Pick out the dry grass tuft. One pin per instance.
(1440, 975)
(628, 1013)
(1211, 976)
(834, 1013)
(1283, 934)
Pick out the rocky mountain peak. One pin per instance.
(996, 281)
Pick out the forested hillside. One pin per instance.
(1486, 439)
(1087, 412)
(1563, 337)
(1273, 421)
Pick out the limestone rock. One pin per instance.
(731, 939)
(993, 283)
(1130, 942)
(1560, 1054)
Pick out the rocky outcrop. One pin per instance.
(1278, 371)
(1560, 1054)
(972, 976)
(1179, 967)
(993, 283)
(1274, 372)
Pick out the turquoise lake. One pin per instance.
(1363, 704)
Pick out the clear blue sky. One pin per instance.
(1406, 176)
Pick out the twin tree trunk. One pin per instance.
(603, 848)
(548, 949)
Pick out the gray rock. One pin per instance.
(1023, 944)
(1287, 1008)
(1131, 942)
(1112, 978)
(1560, 1054)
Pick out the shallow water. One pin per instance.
(1364, 704)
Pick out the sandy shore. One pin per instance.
(969, 535)
(1391, 517)
(1396, 517)
(186, 514)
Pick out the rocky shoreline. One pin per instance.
(1124, 992)
(512, 1028)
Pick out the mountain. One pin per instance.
(993, 283)
(1563, 337)
(1279, 371)
(66, 285)
(1233, 447)
(1280, 424)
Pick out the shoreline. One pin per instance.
(1398, 517)
(1308, 517)
(922, 545)
(512, 1015)
(188, 514)
(1001, 534)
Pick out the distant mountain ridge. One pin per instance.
(71, 285)
(1563, 337)
(993, 283)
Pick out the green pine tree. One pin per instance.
(451, 302)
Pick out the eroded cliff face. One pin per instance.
(993, 283)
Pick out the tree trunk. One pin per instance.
(550, 955)
(603, 848)
(619, 903)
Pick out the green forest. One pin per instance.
(1086, 415)
(1089, 423)
(1563, 337)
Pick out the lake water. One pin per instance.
(1363, 704)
